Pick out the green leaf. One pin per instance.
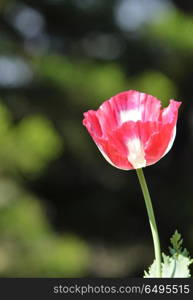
(177, 264)
(152, 271)
(176, 242)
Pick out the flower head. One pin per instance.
(131, 130)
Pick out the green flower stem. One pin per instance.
(152, 221)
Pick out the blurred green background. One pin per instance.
(63, 210)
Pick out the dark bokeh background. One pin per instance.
(63, 210)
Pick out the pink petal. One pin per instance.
(133, 106)
(113, 154)
(161, 141)
(120, 144)
(92, 123)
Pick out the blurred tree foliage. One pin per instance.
(28, 146)
(63, 210)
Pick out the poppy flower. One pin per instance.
(132, 130)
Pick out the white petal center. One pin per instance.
(130, 115)
(136, 153)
